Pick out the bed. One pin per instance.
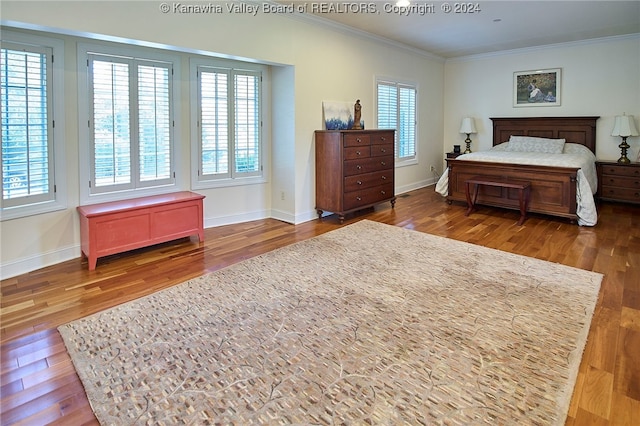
(563, 182)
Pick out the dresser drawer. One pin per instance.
(368, 180)
(620, 181)
(383, 138)
(617, 170)
(367, 165)
(357, 140)
(620, 194)
(382, 149)
(356, 152)
(367, 196)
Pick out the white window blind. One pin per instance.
(27, 141)
(397, 110)
(154, 130)
(247, 123)
(131, 123)
(214, 122)
(111, 122)
(229, 121)
(407, 122)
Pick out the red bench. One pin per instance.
(120, 226)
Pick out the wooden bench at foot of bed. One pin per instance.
(473, 185)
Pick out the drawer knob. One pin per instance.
(359, 167)
(358, 139)
(383, 163)
(382, 138)
(359, 182)
(383, 192)
(359, 198)
(384, 178)
(383, 150)
(358, 153)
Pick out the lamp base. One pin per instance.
(468, 142)
(623, 153)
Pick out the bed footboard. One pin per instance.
(553, 189)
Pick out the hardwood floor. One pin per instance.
(39, 384)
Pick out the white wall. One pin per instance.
(599, 78)
(311, 63)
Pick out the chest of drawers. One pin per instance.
(618, 182)
(354, 170)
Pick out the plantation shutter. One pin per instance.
(27, 137)
(397, 110)
(131, 123)
(214, 121)
(229, 120)
(247, 123)
(111, 113)
(154, 122)
(407, 120)
(387, 106)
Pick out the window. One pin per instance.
(228, 125)
(29, 155)
(130, 121)
(397, 110)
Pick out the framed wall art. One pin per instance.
(537, 88)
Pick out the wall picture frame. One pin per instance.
(537, 88)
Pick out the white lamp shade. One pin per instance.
(624, 126)
(468, 126)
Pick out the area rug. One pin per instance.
(367, 324)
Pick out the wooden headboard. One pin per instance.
(581, 130)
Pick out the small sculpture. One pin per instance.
(356, 116)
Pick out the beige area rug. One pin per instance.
(367, 324)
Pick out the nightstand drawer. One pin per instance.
(621, 194)
(620, 170)
(620, 181)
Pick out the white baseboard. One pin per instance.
(42, 260)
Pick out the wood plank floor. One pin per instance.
(39, 384)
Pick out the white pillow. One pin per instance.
(533, 144)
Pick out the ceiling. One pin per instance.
(493, 26)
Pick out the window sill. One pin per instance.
(19, 212)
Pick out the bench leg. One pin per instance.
(471, 201)
(524, 203)
(93, 261)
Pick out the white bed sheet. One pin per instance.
(574, 155)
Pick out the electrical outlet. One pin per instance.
(433, 168)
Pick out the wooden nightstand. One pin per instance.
(618, 182)
(453, 154)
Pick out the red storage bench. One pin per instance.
(119, 226)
